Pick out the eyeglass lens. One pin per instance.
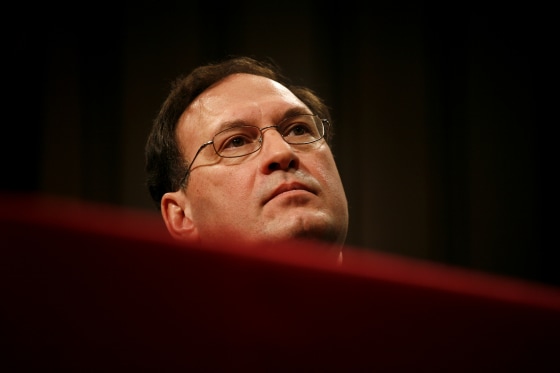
(242, 140)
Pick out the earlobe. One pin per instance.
(176, 213)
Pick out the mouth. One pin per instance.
(284, 188)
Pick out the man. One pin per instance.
(238, 153)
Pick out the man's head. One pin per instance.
(277, 191)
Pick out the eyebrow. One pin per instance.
(292, 111)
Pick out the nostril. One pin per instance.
(273, 166)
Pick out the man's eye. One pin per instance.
(235, 142)
(299, 130)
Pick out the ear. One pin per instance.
(177, 215)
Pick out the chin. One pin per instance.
(314, 230)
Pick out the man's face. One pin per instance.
(280, 192)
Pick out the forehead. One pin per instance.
(238, 97)
(243, 91)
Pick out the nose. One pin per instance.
(276, 154)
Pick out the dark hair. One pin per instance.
(165, 165)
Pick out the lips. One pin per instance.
(286, 188)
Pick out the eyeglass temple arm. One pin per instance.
(190, 164)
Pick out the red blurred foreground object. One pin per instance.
(97, 288)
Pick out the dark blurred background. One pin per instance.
(439, 109)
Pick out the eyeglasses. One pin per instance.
(242, 140)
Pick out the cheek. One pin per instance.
(325, 168)
(234, 179)
(220, 183)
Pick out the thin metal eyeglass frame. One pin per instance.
(324, 121)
